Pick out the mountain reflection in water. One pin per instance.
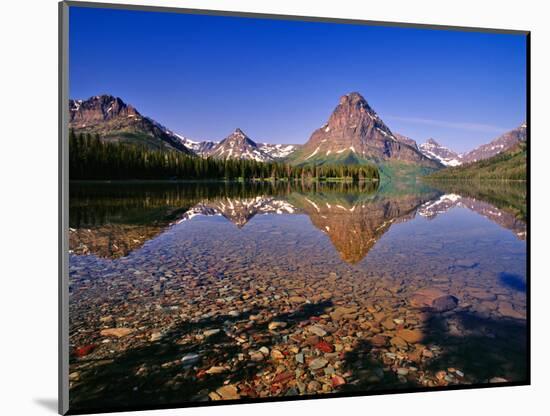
(112, 220)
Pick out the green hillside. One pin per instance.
(345, 158)
(509, 165)
(388, 169)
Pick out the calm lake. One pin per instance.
(196, 292)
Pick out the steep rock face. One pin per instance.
(500, 144)
(444, 155)
(116, 121)
(406, 140)
(355, 129)
(238, 146)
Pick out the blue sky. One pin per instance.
(203, 76)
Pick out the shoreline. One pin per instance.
(248, 181)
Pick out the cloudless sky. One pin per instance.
(203, 76)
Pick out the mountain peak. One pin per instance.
(355, 102)
(355, 130)
(352, 97)
(432, 142)
(99, 108)
(116, 121)
(238, 146)
(239, 136)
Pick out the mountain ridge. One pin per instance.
(353, 134)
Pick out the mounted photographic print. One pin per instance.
(262, 208)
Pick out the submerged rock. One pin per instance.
(228, 392)
(318, 363)
(317, 330)
(116, 332)
(276, 325)
(211, 332)
(412, 336)
(433, 298)
(190, 359)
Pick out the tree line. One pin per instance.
(91, 158)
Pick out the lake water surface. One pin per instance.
(196, 292)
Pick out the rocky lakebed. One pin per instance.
(225, 298)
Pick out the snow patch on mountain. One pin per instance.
(444, 155)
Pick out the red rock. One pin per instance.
(324, 346)
(283, 377)
(248, 391)
(84, 350)
(312, 340)
(338, 381)
(379, 340)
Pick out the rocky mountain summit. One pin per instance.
(444, 155)
(354, 132)
(238, 146)
(116, 121)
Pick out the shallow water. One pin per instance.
(273, 291)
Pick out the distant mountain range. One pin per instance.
(353, 134)
(510, 164)
(501, 144)
(498, 145)
(251, 149)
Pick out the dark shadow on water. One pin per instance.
(482, 347)
(514, 281)
(368, 371)
(118, 383)
(479, 346)
(48, 404)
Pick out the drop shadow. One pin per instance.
(48, 404)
